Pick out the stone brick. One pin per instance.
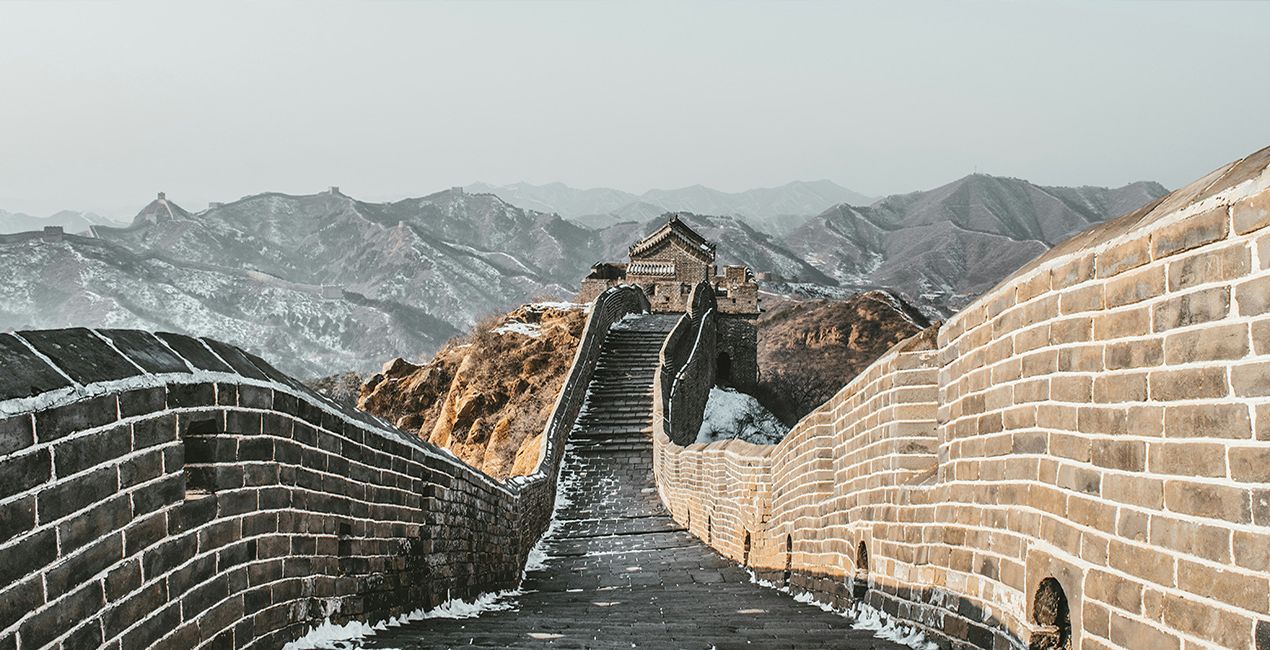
(1134, 490)
(77, 454)
(1135, 287)
(1238, 589)
(1252, 549)
(1252, 213)
(1214, 343)
(1261, 336)
(1080, 359)
(154, 431)
(1079, 479)
(1224, 628)
(1072, 273)
(146, 351)
(76, 493)
(1122, 324)
(142, 401)
(97, 522)
(1188, 383)
(1188, 459)
(193, 351)
(19, 473)
(1071, 388)
(1192, 308)
(1263, 422)
(1146, 420)
(1218, 420)
(1250, 464)
(1114, 590)
(1075, 447)
(82, 415)
(1212, 266)
(16, 433)
(1251, 379)
(1127, 632)
(1134, 354)
(1192, 232)
(1128, 455)
(76, 570)
(1122, 257)
(1108, 420)
(19, 599)
(81, 354)
(25, 375)
(51, 622)
(1131, 387)
(1253, 296)
(1208, 500)
(1146, 563)
(1081, 299)
(1206, 541)
(1132, 524)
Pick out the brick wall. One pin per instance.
(177, 492)
(1098, 424)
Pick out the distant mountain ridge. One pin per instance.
(69, 220)
(942, 247)
(766, 208)
(324, 282)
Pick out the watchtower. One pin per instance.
(667, 264)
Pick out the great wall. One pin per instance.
(1081, 458)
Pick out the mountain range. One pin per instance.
(324, 282)
(69, 220)
(943, 247)
(772, 209)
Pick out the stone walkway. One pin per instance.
(623, 574)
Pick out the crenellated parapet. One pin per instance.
(167, 491)
(1081, 456)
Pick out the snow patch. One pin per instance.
(864, 617)
(348, 636)
(540, 306)
(528, 329)
(731, 414)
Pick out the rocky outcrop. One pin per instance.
(486, 396)
(810, 349)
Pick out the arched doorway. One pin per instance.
(723, 370)
(860, 582)
(1053, 618)
(789, 559)
(745, 551)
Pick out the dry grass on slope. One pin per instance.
(809, 350)
(486, 396)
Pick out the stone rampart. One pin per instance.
(1081, 456)
(160, 490)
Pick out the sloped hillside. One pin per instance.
(85, 282)
(486, 396)
(808, 350)
(943, 247)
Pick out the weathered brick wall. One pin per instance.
(175, 492)
(686, 370)
(1101, 418)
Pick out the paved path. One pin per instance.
(623, 574)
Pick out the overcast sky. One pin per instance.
(102, 104)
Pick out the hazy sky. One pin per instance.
(102, 104)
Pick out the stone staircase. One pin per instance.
(620, 572)
(618, 411)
